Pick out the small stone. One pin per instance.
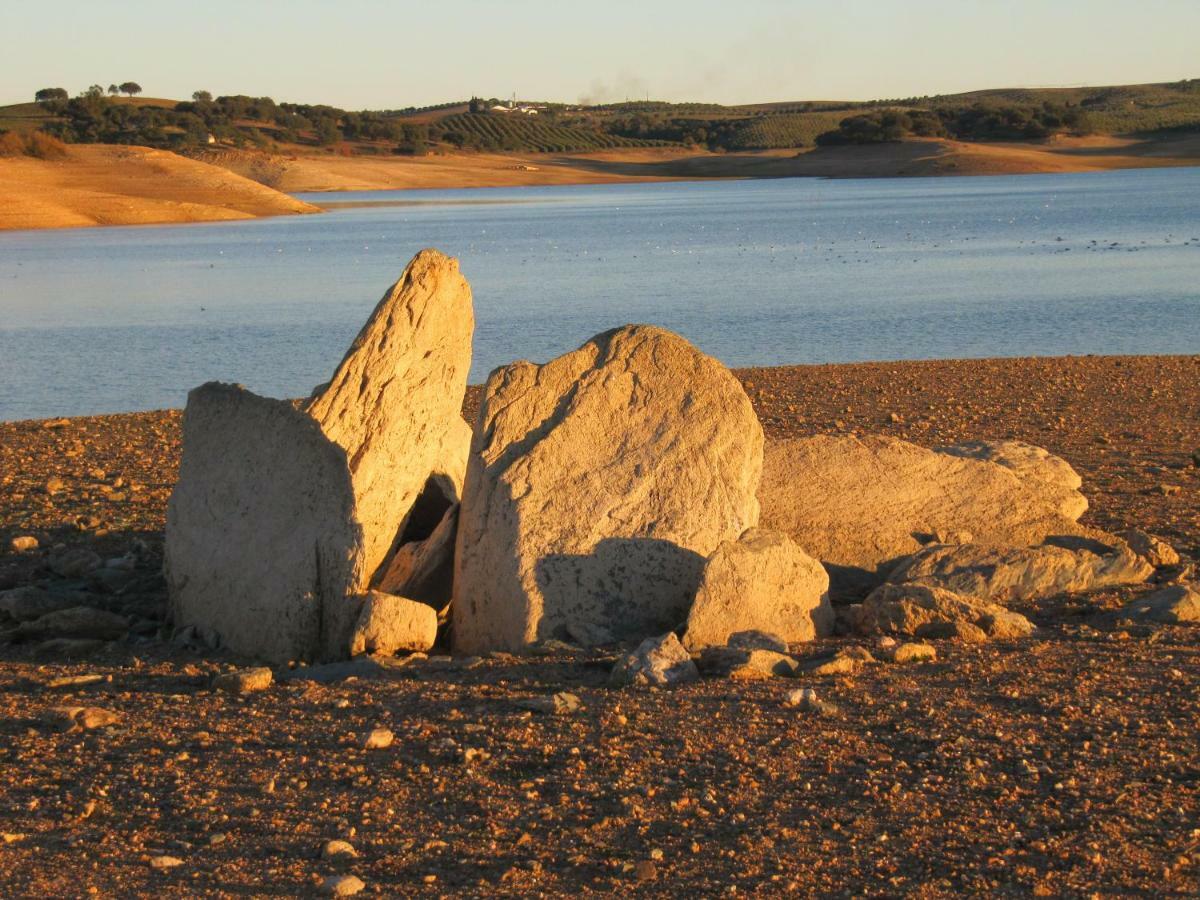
(163, 863)
(377, 739)
(78, 622)
(806, 700)
(342, 886)
(657, 662)
(79, 718)
(23, 543)
(746, 665)
(910, 653)
(55, 485)
(1196, 459)
(1169, 490)
(1178, 604)
(244, 681)
(558, 704)
(338, 850)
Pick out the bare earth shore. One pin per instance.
(105, 185)
(1066, 764)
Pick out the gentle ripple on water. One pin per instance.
(755, 272)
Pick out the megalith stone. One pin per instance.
(597, 485)
(395, 403)
(262, 541)
(285, 514)
(858, 504)
(1007, 574)
(762, 581)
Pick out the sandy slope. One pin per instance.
(299, 172)
(107, 185)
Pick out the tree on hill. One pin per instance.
(131, 88)
(47, 94)
(113, 90)
(202, 96)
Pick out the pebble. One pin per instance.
(342, 885)
(23, 543)
(906, 653)
(165, 862)
(377, 739)
(55, 485)
(559, 704)
(244, 681)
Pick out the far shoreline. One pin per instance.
(117, 185)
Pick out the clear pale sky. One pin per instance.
(371, 54)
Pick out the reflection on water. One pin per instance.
(755, 272)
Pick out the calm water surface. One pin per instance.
(754, 272)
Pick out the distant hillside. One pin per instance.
(515, 131)
(238, 121)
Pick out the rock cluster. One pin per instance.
(619, 494)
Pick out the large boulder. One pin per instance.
(859, 504)
(1008, 574)
(284, 515)
(387, 624)
(597, 485)
(762, 581)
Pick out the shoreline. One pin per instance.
(118, 185)
(744, 373)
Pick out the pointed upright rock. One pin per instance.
(598, 483)
(284, 517)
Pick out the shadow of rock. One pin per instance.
(629, 587)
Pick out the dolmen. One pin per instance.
(620, 494)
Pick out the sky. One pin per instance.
(367, 54)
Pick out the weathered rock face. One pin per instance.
(282, 517)
(917, 610)
(859, 504)
(1154, 550)
(262, 542)
(1024, 459)
(762, 581)
(395, 403)
(1006, 574)
(388, 623)
(597, 485)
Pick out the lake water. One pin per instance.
(754, 272)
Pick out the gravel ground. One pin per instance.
(1066, 764)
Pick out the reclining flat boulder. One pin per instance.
(858, 504)
(597, 485)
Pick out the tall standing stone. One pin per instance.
(597, 485)
(283, 517)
